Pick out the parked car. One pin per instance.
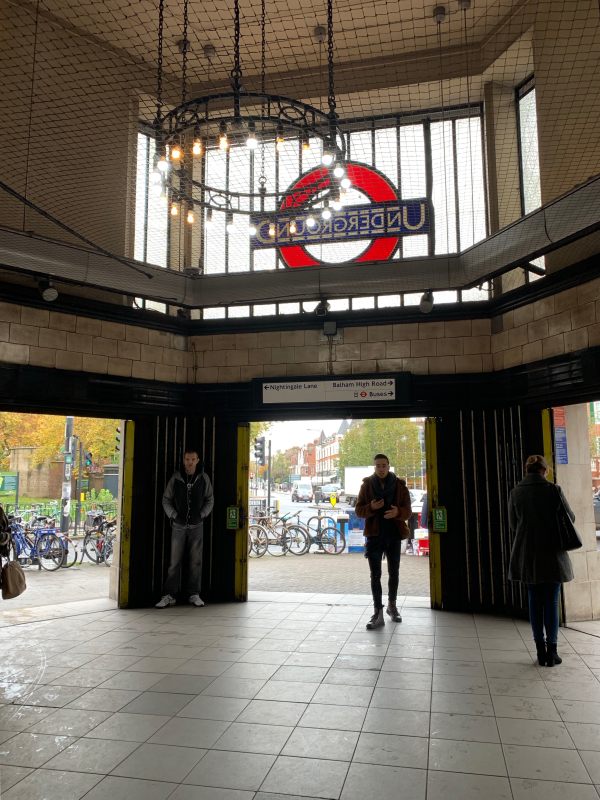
(302, 491)
(597, 511)
(326, 491)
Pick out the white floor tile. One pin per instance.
(545, 763)
(464, 727)
(159, 762)
(231, 770)
(446, 785)
(52, 785)
(329, 744)
(112, 788)
(461, 756)
(310, 777)
(392, 783)
(550, 790)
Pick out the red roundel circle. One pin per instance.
(369, 181)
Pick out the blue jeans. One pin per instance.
(186, 545)
(543, 610)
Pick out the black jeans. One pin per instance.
(376, 547)
(185, 540)
(543, 610)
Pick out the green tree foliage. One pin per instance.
(46, 432)
(397, 438)
(281, 465)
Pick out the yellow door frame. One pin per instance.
(241, 534)
(124, 554)
(435, 558)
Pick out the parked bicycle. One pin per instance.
(98, 543)
(284, 534)
(323, 531)
(39, 546)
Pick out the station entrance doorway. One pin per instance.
(304, 535)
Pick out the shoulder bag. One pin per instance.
(567, 536)
(13, 580)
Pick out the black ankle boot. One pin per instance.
(552, 656)
(541, 653)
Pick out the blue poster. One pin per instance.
(560, 444)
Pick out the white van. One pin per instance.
(302, 491)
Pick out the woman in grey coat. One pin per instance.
(534, 560)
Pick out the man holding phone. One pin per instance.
(384, 502)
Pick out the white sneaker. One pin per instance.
(165, 601)
(196, 600)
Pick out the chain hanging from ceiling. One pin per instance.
(185, 135)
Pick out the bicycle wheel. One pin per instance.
(109, 551)
(92, 546)
(258, 541)
(277, 541)
(333, 541)
(70, 548)
(296, 540)
(50, 551)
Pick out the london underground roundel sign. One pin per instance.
(383, 220)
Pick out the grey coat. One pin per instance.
(532, 511)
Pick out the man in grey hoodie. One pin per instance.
(187, 501)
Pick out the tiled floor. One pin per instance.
(288, 696)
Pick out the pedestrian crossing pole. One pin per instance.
(65, 517)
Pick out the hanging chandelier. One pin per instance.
(185, 136)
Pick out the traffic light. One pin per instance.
(259, 450)
(118, 439)
(88, 459)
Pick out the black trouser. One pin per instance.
(388, 543)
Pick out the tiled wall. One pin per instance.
(565, 322)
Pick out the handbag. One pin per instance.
(13, 580)
(567, 536)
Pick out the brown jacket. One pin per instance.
(401, 500)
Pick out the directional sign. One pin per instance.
(334, 391)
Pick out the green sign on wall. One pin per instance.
(233, 518)
(9, 481)
(440, 519)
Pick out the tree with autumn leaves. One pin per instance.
(46, 433)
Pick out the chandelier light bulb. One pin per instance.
(162, 165)
(345, 183)
(252, 230)
(190, 217)
(293, 227)
(339, 171)
(311, 222)
(279, 140)
(305, 141)
(223, 141)
(326, 213)
(176, 152)
(251, 141)
(327, 158)
(336, 204)
(174, 210)
(272, 230)
(197, 147)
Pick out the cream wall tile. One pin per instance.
(307, 368)
(537, 330)
(408, 330)
(508, 320)
(207, 374)
(120, 366)
(380, 333)
(498, 360)
(269, 339)
(42, 357)
(342, 367)
(250, 372)
(66, 360)
(348, 352)
(442, 365)
(359, 367)
(97, 364)
(523, 315)
(513, 357)
(142, 369)
(155, 338)
(283, 355)
(214, 358)
(372, 350)
(559, 323)
(431, 330)
(262, 356)
(295, 338)
(37, 316)
(181, 375)
(352, 335)
(553, 346)
(274, 371)
(246, 341)
(89, 326)
(113, 330)
(468, 363)
(62, 322)
(487, 362)
(105, 347)
(576, 340)
(130, 350)
(135, 334)
(10, 313)
(481, 327)
(457, 327)
(423, 347)
(397, 349)
(451, 347)
(565, 300)
(165, 372)
(499, 341)
(305, 355)
(202, 342)
(584, 315)
(391, 365)
(532, 351)
(416, 366)
(478, 344)
(79, 343)
(518, 336)
(543, 308)
(24, 334)
(594, 334)
(151, 353)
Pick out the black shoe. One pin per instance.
(376, 621)
(541, 653)
(392, 611)
(552, 656)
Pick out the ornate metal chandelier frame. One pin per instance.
(186, 133)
